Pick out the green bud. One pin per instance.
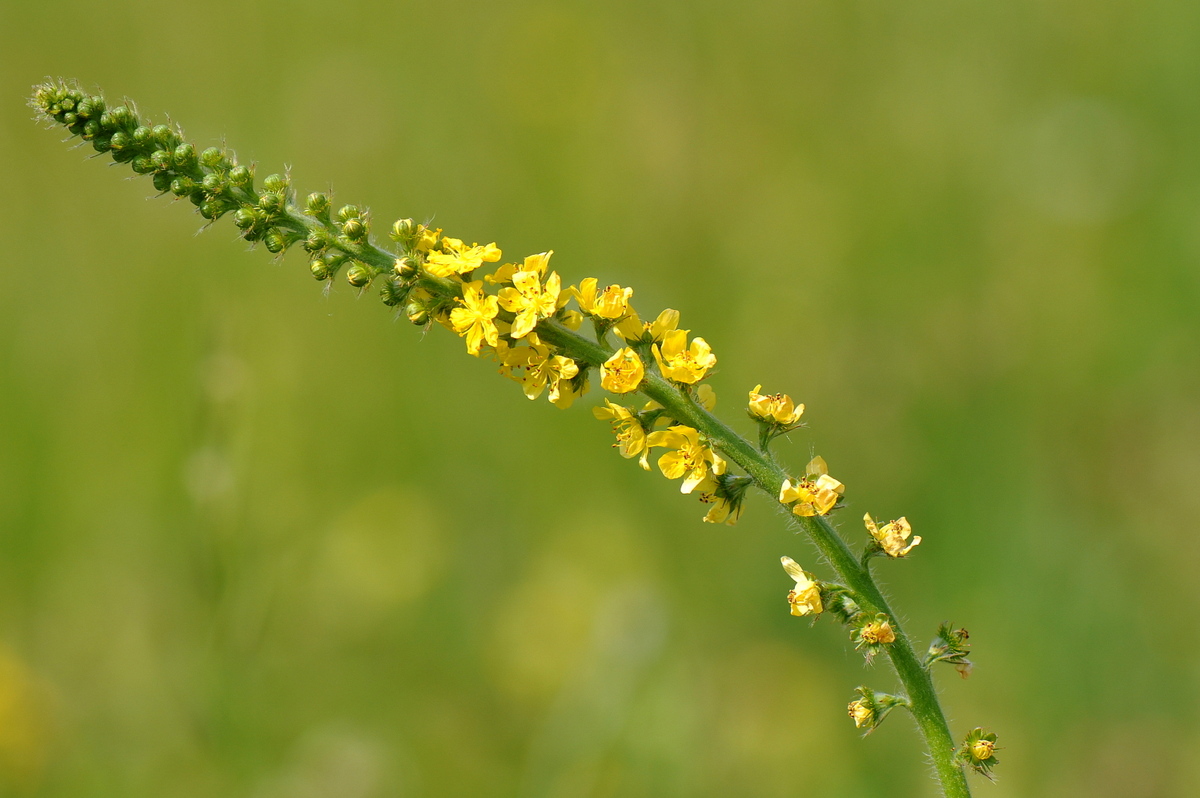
(394, 293)
(318, 205)
(142, 136)
(213, 208)
(213, 183)
(241, 176)
(124, 156)
(320, 269)
(270, 202)
(403, 267)
(347, 212)
(403, 230)
(162, 181)
(160, 160)
(358, 275)
(142, 165)
(164, 137)
(185, 156)
(120, 117)
(75, 125)
(91, 108)
(213, 158)
(101, 143)
(119, 141)
(416, 312)
(275, 242)
(197, 197)
(277, 184)
(317, 241)
(69, 118)
(91, 129)
(182, 186)
(245, 218)
(354, 229)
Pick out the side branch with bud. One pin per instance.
(519, 315)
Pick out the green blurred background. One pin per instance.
(256, 541)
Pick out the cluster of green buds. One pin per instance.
(520, 316)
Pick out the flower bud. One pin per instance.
(354, 229)
(358, 275)
(162, 181)
(161, 160)
(318, 205)
(978, 751)
(347, 212)
(393, 293)
(182, 186)
(417, 313)
(245, 218)
(185, 157)
(316, 241)
(403, 230)
(403, 267)
(276, 184)
(91, 129)
(213, 208)
(91, 108)
(142, 165)
(274, 242)
(164, 137)
(240, 176)
(143, 136)
(213, 183)
(101, 142)
(319, 269)
(271, 202)
(120, 141)
(213, 158)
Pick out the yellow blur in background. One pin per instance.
(260, 541)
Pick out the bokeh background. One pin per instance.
(259, 541)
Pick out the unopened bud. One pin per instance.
(358, 275)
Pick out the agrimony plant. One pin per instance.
(519, 315)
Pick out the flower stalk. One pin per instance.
(518, 316)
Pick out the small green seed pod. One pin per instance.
(319, 269)
(164, 137)
(182, 186)
(213, 158)
(403, 231)
(354, 229)
(358, 275)
(197, 197)
(240, 176)
(162, 181)
(76, 126)
(348, 212)
(185, 156)
(124, 156)
(101, 142)
(142, 165)
(142, 136)
(119, 118)
(318, 205)
(213, 183)
(277, 184)
(317, 241)
(67, 104)
(275, 242)
(91, 129)
(69, 118)
(119, 141)
(270, 202)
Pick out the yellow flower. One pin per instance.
(632, 328)
(862, 713)
(622, 372)
(530, 300)
(812, 496)
(706, 396)
(691, 459)
(542, 369)
(877, 632)
(476, 319)
(571, 319)
(611, 303)
(805, 597)
(427, 237)
(680, 363)
(777, 408)
(892, 535)
(456, 257)
(631, 435)
(533, 263)
(723, 510)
